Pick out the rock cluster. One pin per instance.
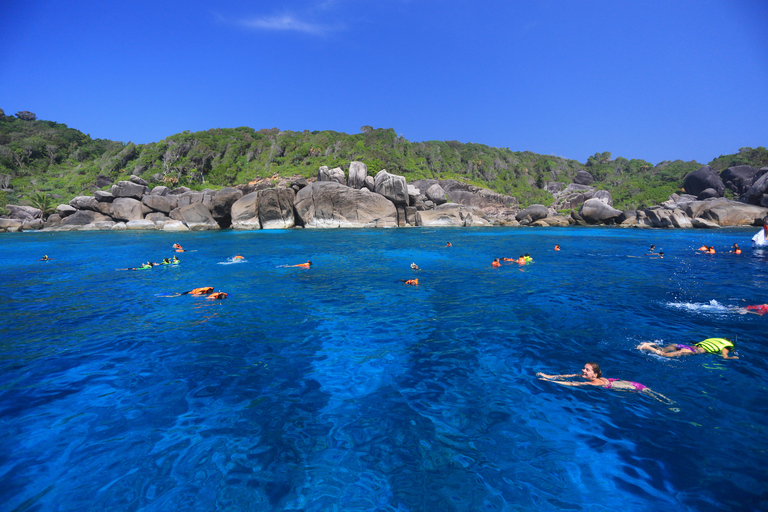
(333, 200)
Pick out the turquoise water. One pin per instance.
(341, 388)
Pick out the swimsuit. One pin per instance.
(686, 347)
(636, 385)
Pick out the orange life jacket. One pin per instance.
(496, 264)
(201, 291)
(217, 295)
(412, 281)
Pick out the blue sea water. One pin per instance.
(340, 388)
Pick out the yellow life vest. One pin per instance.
(715, 345)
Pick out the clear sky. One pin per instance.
(650, 79)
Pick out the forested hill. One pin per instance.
(47, 157)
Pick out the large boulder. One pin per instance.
(758, 188)
(103, 196)
(357, 173)
(83, 217)
(160, 190)
(10, 225)
(160, 203)
(222, 205)
(245, 212)
(436, 194)
(391, 186)
(196, 216)
(738, 178)
(659, 217)
(583, 178)
(90, 203)
(129, 189)
(32, 224)
(335, 175)
(701, 179)
(531, 214)
(332, 205)
(23, 213)
(275, 208)
(725, 212)
(140, 225)
(125, 209)
(192, 197)
(595, 211)
(452, 215)
(65, 210)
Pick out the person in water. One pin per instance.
(449, 244)
(593, 376)
(652, 248)
(217, 295)
(496, 262)
(45, 258)
(301, 265)
(528, 258)
(412, 282)
(757, 309)
(761, 237)
(722, 346)
(557, 247)
(415, 266)
(711, 249)
(521, 260)
(736, 249)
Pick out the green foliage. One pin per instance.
(44, 203)
(53, 158)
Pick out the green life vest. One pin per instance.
(715, 345)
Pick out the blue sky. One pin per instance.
(655, 80)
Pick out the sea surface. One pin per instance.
(341, 388)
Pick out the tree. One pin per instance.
(26, 115)
(366, 129)
(41, 201)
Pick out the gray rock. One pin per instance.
(23, 213)
(701, 179)
(65, 210)
(142, 225)
(180, 190)
(531, 214)
(245, 212)
(137, 180)
(83, 217)
(391, 186)
(158, 203)
(175, 226)
(335, 175)
(595, 211)
(370, 183)
(452, 215)
(275, 208)
(160, 190)
(358, 171)
(436, 194)
(32, 224)
(10, 225)
(129, 189)
(707, 193)
(126, 209)
(222, 205)
(196, 216)
(102, 181)
(738, 178)
(332, 205)
(103, 196)
(583, 178)
(758, 188)
(157, 217)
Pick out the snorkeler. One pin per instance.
(652, 248)
(449, 244)
(594, 377)
(722, 346)
(46, 258)
(557, 247)
(736, 249)
(415, 266)
(300, 265)
(496, 262)
(757, 309)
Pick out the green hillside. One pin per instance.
(45, 158)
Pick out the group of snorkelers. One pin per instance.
(592, 375)
(710, 249)
(521, 260)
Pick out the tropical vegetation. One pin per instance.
(45, 162)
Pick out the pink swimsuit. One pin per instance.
(637, 385)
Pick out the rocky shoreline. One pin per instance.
(333, 200)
